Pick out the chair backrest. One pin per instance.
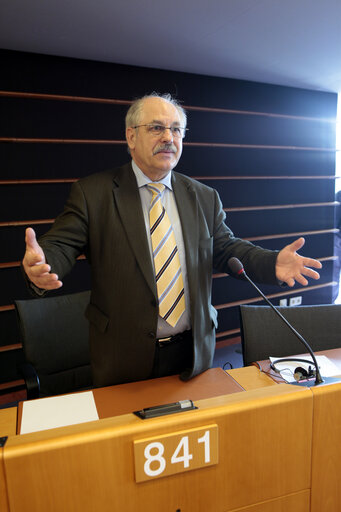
(264, 334)
(55, 337)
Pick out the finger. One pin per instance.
(50, 285)
(34, 254)
(311, 273)
(297, 244)
(31, 240)
(290, 282)
(309, 262)
(55, 286)
(39, 270)
(302, 280)
(47, 281)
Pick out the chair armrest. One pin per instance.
(31, 380)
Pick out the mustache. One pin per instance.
(165, 147)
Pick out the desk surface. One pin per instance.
(125, 398)
(122, 399)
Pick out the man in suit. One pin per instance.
(107, 218)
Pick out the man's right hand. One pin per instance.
(35, 266)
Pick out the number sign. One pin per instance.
(175, 452)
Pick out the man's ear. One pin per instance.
(131, 137)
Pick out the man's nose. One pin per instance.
(167, 134)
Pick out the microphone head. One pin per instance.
(236, 265)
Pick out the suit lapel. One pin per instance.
(187, 204)
(127, 199)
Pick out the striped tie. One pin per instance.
(169, 283)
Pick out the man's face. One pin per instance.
(155, 154)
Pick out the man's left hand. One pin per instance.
(291, 267)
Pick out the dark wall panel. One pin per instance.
(9, 330)
(37, 161)
(221, 161)
(19, 202)
(46, 119)
(240, 193)
(237, 129)
(259, 130)
(266, 222)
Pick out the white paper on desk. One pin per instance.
(287, 369)
(58, 411)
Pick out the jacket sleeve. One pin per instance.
(68, 237)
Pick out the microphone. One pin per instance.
(237, 268)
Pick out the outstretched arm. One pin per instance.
(291, 267)
(35, 266)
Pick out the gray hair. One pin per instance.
(133, 115)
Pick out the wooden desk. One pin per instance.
(8, 427)
(90, 467)
(326, 445)
(326, 450)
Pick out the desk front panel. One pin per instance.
(326, 449)
(90, 467)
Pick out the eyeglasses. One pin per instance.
(158, 129)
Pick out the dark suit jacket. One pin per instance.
(103, 219)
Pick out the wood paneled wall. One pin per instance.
(268, 150)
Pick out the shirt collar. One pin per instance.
(143, 180)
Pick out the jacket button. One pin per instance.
(152, 334)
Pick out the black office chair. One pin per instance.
(264, 334)
(55, 338)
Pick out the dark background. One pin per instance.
(268, 150)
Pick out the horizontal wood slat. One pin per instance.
(277, 177)
(14, 383)
(112, 101)
(289, 235)
(60, 97)
(279, 206)
(220, 343)
(8, 348)
(227, 333)
(8, 307)
(28, 140)
(25, 222)
(256, 146)
(13, 264)
(40, 181)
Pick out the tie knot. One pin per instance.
(156, 188)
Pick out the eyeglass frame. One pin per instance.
(171, 128)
